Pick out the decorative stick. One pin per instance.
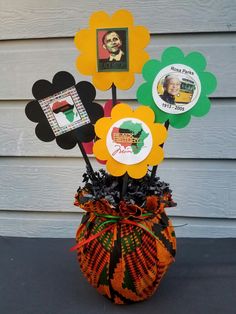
(154, 169)
(114, 97)
(124, 185)
(86, 159)
(125, 177)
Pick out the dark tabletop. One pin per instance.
(42, 276)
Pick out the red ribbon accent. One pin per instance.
(91, 238)
(126, 221)
(79, 244)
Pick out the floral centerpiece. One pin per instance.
(125, 242)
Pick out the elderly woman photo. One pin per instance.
(171, 87)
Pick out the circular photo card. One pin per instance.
(176, 88)
(129, 141)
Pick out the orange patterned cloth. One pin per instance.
(124, 254)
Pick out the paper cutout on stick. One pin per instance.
(109, 50)
(177, 87)
(129, 141)
(64, 110)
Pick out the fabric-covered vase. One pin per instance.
(125, 252)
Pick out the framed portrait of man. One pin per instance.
(112, 50)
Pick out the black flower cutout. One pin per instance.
(64, 110)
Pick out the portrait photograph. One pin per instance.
(176, 89)
(112, 50)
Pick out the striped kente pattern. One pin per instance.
(126, 262)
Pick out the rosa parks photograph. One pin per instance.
(112, 50)
(176, 89)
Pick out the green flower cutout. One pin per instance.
(177, 87)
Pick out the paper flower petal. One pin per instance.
(209, 81)
(137, 171)
(150, 69)
(156, 156)
(44, 131)
(102, 126)
(100, 150)
(202, 107)
(171, 55)
(196, 60)
(115, 168)
(178, 123)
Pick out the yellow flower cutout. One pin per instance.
(112, 49)
(129, 140)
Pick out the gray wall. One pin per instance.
(38, 180)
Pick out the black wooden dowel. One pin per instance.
(124, 184)
(114, 97)
(125, 177)
(154, 169)
(86, 159)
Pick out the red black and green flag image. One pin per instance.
(64, 107)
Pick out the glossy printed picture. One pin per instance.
(176, 89)
(64, 111)
(112, 50)
(129, 141)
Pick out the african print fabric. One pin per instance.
(125, 256)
